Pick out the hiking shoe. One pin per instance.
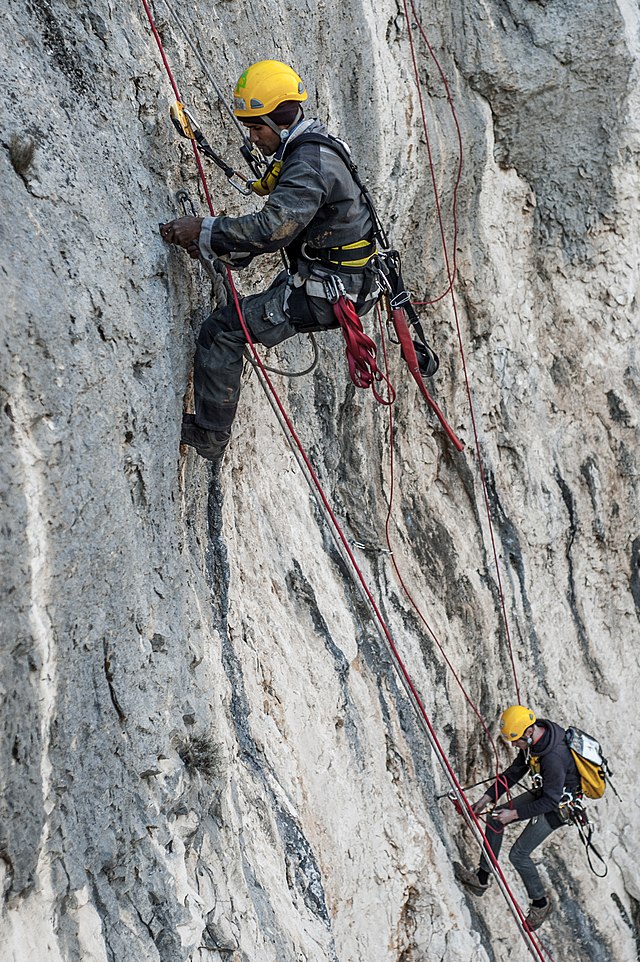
(537, 915)
(469, 879)
(209, 444)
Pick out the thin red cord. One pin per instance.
(412, 601)
(454, 305)
(454, 206)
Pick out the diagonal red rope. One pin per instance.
(451, 291)
(401, 580)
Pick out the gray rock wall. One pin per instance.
(205, 751)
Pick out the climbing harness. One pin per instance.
(187, 126)
(342, 256)
(573, 810)
(421, 360)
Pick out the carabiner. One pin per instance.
(188, 207)
(333, 288)
(240, 183)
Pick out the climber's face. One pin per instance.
(263, 137)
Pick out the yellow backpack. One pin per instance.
(592, 766)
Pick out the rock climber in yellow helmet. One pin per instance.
(545, 755)
(314, 211)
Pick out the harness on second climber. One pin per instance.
(573, 810)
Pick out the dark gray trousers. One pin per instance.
(534, 834)
(271, 317)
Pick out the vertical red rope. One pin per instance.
(451, 291)
(174, 85)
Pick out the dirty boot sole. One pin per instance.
(537, 915)
(208, 444)
(469, 879)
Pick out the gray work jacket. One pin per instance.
(315, 201)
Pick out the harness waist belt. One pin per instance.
(343, 255)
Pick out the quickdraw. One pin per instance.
(457, 804)
(577, 815)
(188, 127)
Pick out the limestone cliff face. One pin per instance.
(205, 751)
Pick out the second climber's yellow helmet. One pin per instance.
(514, 722)
(265, 85)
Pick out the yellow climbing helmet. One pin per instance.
(265, 85)
(514, 722)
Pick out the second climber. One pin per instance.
(545, 755)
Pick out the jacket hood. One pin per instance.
(553, 735)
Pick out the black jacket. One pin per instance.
(557, 768)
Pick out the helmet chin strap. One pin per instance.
(282, 133)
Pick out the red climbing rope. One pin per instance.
(451, 291)
(408, 350)
(343, 541)
(174, 85)
(361, 351)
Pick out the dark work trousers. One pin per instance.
(271, 317)
(534, 834)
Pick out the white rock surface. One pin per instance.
(206, 753)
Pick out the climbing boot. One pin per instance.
(469, 879)
(209, 444)
(537, 915)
